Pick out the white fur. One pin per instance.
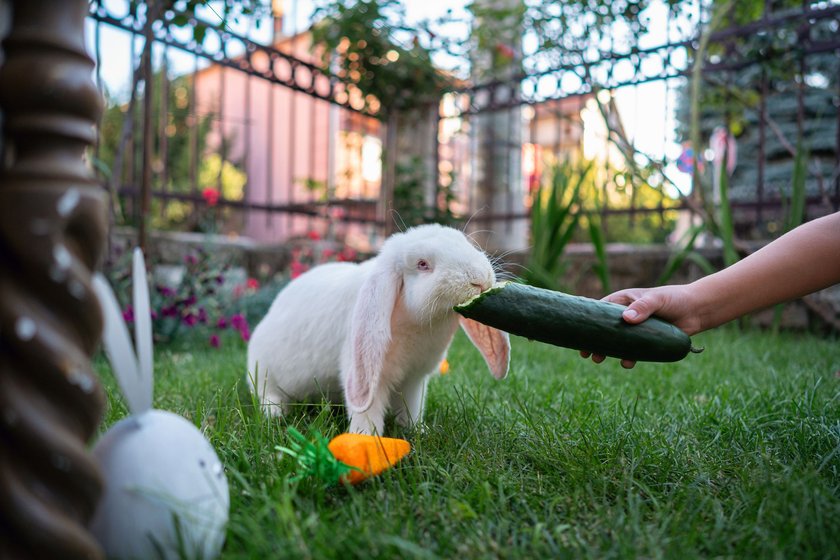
(373, 332)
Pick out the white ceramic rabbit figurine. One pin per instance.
(373, 332)
(166, 494)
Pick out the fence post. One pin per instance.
(53, 226)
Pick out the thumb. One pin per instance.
(640, 309)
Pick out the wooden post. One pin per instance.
(53, 223)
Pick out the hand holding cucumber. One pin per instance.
(581, 323)
(670, 303)
(802, 261)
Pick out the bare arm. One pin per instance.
(802, 261)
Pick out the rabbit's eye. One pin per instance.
(423, 264)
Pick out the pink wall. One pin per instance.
(280, 137)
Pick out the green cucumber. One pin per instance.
(576, 322)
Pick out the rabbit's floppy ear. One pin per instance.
(370, 333)
(493, 344)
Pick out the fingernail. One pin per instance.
(630, 314)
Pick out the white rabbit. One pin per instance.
(374, 331)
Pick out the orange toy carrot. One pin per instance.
(368, 455)
(348, 457)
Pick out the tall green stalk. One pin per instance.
(795, 207)
(555, 215)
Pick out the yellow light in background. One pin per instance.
(371, 158)
(277, 8)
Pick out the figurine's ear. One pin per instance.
(117, 343)
(143, 328)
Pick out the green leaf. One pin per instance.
(797, 197)
(314, 457)
(727, 228)
(601, 268)
(199, 32)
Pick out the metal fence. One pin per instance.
(260, 141)
(772, 83)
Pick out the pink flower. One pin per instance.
(190, 319)
(245, 333)
(191, 259)
(313, 235)
(221, 323)
(253, 284)
(214, 341)
(128, 314)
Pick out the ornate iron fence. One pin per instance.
(777, 87)
(310, 154)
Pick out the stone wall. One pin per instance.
(170, 248)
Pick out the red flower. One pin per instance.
(211, 196)
(253, 284)
(347, 255)
(313, 235)
(298, 268)
(505, 51)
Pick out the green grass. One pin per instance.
(734, 452)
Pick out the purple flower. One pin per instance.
(220, 279)
(169, 311)
(214, 341)
(154, 314)
(128, 314)
(245, 333)
(166, 291)
(221, 323)
(190, 301)
(238, 321)
(190, 319)
(202, 316)
(191, 259)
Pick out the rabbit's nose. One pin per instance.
(482, 286)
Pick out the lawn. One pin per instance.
(733, 452)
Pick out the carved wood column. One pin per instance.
(52, 235)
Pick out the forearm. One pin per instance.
(804, 260)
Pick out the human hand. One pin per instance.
(671, 303)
